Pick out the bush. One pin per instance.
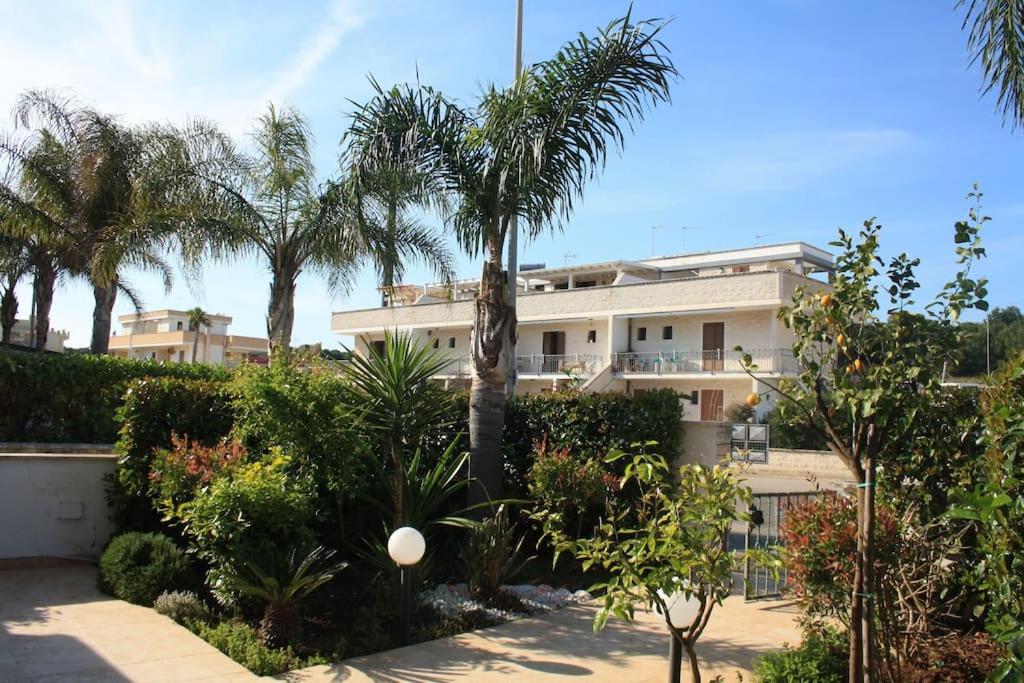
(242, 643)
(248, 513)
(565, 485)
(177, 472)
(784, 434)
(821, 658)
(299, 411)
(65, 398)
(492, 555)
(184, 607)
(589, 425)
(139, 567)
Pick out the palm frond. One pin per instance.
(996, 42)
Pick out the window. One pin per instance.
(666, 332)
(741, 269)
(437, 342)
(451, 342)
(378, 346)
(641, 334)
(179, 325)
(591, 336)
(695, 397)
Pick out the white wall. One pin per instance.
(53, 505)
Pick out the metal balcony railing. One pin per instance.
(579, 364)
(684, 361)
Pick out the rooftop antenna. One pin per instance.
(684, 228)
(761, 235)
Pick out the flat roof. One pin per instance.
(168, 313)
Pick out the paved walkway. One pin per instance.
(563, 646)
(55, 625)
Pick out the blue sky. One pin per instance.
(792, 118)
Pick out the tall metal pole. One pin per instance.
(513, 226)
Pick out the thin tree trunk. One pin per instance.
(104, 298)
(691, 656)
(856, 658)
(867, 620)
(281, 311)
(43, 284)
(8, 312)
(493, 321)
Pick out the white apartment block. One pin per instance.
(627, 326)
(164, 335)
(21, 334)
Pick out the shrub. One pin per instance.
(821, 657)
(178, 471)
(154, 410)
(786, 434)
(739, 412)
(492, 555)
(299, 411)
(588, 424)
(242, 643)
(138, 567)
(74, 397)
(248, 512)
(183, 607)
(565, 485)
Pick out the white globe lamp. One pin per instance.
(682, 610)
(406, 546)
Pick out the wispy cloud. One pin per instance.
(300, 68)
(792, 161)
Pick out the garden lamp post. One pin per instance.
(682, 609)
(406, 547)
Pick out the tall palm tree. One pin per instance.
(386, 185)
(87, 177)
(198, 320)
(525, 151)
(996, 42)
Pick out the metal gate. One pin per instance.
(768, 510)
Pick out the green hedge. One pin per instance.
(73, 398)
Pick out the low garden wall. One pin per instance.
(54, 504)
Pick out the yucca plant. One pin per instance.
(281, 586)
(492, 554)
(394, 396)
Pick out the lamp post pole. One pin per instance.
(513, 228)
(406, 547)
(675, 660)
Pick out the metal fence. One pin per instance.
(717, 360)
(769, 512)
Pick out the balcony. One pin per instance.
(576, 364)
(770, 361)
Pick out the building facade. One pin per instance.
(21, 335)
(165, 336)
(626, 325)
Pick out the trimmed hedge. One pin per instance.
(73, 398)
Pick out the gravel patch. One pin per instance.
(453, 599)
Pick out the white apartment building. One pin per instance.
(627, 326)
(164, 335)
(21, 334)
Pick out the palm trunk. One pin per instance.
(43, 284)
(195, 344)
(281, 312)
(104, 298)
(8, 312)
(494, 322)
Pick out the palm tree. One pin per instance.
(996, 41)
(385, 185)
(86, 178)
(14, 265)
(526, 151)
(197, 320)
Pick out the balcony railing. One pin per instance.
(579, 364)
(720, 360)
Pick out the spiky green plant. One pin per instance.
(281, 585)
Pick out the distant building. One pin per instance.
(164, 336)
(626, 326)
(21, 335)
